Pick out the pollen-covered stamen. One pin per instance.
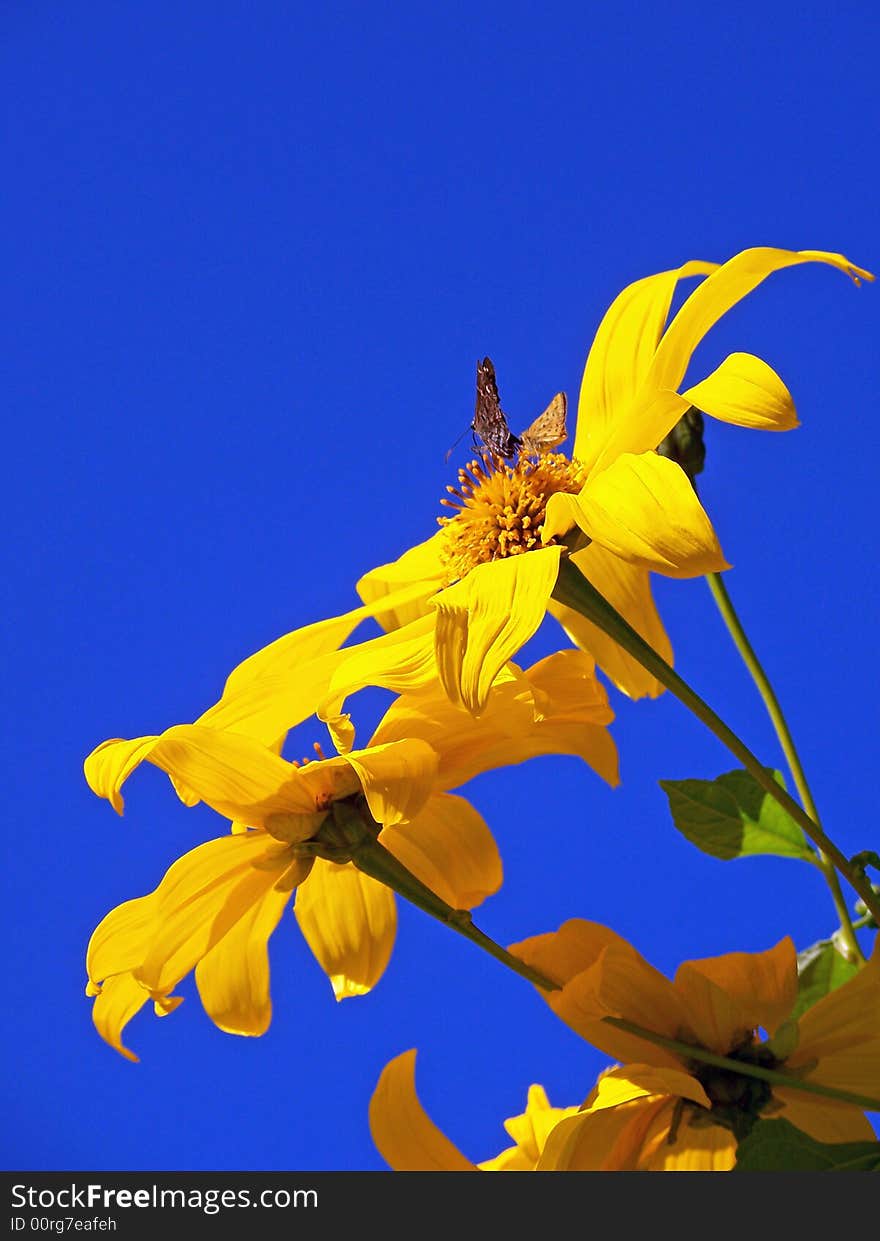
(500, 508)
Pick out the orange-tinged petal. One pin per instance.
(715, 296)
(483, 620)
(397, 778)
(644, 509)
(842, 1026)
(404, 1134)
(349, 922)
(621, 355)
(823, 1119)
(600, 1141)
(627, 587)
(120, 999)
(746, 391)
(449, 847)
(233, 978)
(557, 707)
(729, 995)
(420, 565)
(201, 897)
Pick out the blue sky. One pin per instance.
(252, 253)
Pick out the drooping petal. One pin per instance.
(419, 565)
(716, 295)
(627, 587)
(233, 978)
(404, 1134)
(557, 707)
(746, 391)
(695, 1147)
(606, 1140)
(238, 777)
(349, 921)
(623, 1083)
(397, 778)
(621, 355)
(644, 509)
(449, 847)
(484, 619)
(120, 941)
(726, 996)
(119, 999)
(201, 898)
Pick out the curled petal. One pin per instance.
(404, 1134)
(747, 392)
(727, 995)
(420, 565)
(397, 778)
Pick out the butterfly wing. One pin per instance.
(548, 430)
(490, 421)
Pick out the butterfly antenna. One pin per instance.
(450, 451)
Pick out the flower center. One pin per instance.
(500, 508)
(737, 1098)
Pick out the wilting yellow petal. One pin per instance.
(715, 296)
(823, 1119)
(238, 777)
(728, 995)
(557, 707)
(404, 1134)
(120, 998)
(419, 565)
(449, 847)
(349, 922)
(233, 978)
(747, 392)
(627, 587)
(621, 355)
(201, 897)
(644, 509)
(484, 619)
(397, 778)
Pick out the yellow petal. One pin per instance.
(531, 1130)
(404, 1134)
(201, 898)
(644, 509)
(484, 619)
(120, 941)
(233, 978)
(715, 296)
(727, 996)
(627, 587)
(747, 392)
(119, 999)
(397, 778)
(421, 565)
(607, 1140)
(842, 1026)
(238, 777)
(696, 1148)
(511, 1159)
(621, 355)
(823, 1119)
(449, 847)
(349, 921)
(623, 1083)
(557, 707)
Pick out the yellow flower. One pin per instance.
(409, 1141)
(494, 564)
(217, 906)
(659, 1110)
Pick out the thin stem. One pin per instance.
(573, 589)
(375, 860)
(744, 1067)
(850, 945)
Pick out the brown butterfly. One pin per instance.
(490, 421)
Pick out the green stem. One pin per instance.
(375, 860)
(848, 941)
(573, 590)
(743, 1067)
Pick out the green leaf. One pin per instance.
(733, 817)
(821, 969)
(777, 1146)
